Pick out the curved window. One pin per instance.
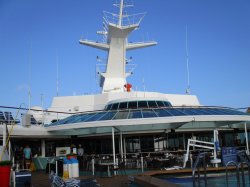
(137, 105)
(132, 105)
(123, 105)
(142, 104)
(115, 106)
(144, 113)
(152, 104)
(108, 107)
(160, 104)
(167, 104)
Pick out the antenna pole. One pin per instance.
(29, 89)
(57, 77)
(121, 13)
(187, 58)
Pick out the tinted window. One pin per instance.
(135, 114)
(148, 114)
(142, 104)
(121, 115)
(160, 104)
(123, 105)
(132, 104)
(114, 106)
(108, 116)
(167, 104)
(152, 104)
(108, 107)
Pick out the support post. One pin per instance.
(4, 134)
(113, 144)
(93, 166)
(216, 144)
(142, 167)
(121, 144)
(246, 135)
(125, 151)
(43, 148)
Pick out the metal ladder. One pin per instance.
(243, 160)
(200, 159)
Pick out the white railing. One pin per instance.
(197, 143)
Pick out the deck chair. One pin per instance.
(57, 181)
(9, 118)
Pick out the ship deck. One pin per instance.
(41, 179)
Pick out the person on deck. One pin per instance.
(27, 156)
(80, 152)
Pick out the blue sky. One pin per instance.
(34, 35)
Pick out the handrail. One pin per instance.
(197, 162)
(232, 163)
(192, 142)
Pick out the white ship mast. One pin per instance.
(117, 27)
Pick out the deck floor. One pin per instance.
(41, 179)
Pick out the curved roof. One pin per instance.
(144, 113)
(149, 120)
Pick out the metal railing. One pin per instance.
(201, 158)
(243, 160)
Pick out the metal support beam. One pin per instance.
(43, 148)
(113, 144)
(246, 135)
(121, 146)
(125, 151)
(4, 134)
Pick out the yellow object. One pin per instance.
(65, 172)
(65, 175)
(32, 166)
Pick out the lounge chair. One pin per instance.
(9, 118)
(2, 118)
(57, 181)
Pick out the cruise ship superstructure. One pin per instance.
(119, 109)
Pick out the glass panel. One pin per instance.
(175, 112)
(121, 115)
(214, 111)
(188, 111)
(133, 145)
(152, 104)
(65, 120)
(86, 116)
(147, 143)
(167, 104)
(115, 106)
(96, 117)
(77, 118)
(203, 111)
(108, 116)
(162, 112)
(135, 114)
(132, 105)
(109, 107)
(160, 104)
(142, 104)
(123, 105)
(148, 114)
(232, 112)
